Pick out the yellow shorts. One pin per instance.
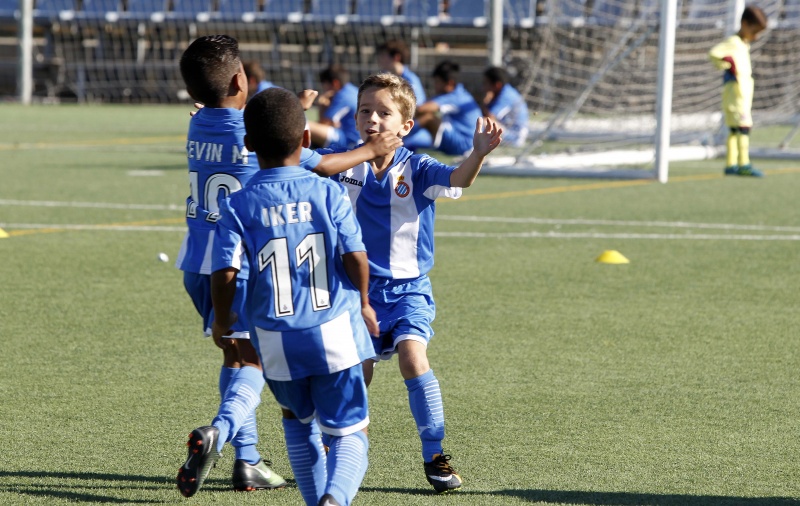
(737, 100)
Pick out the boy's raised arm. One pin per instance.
(376, 146)
(487, 136)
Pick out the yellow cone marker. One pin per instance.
(3, 234)
(612, 257)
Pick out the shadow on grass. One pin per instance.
(75, 484)
(606, 498)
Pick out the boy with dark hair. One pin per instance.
(220, 164)
(394, 199)
(448, 118)
(733, 57)
(307, 299)
(337, 107)
(393, 56)
(504, 104)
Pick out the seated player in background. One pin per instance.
(307, 296)
(447, 121)
(504, 104)
(256, 78)
(220, 164)
(393, 56)
(337, 107)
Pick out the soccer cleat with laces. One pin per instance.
(259, 476)
(203, 455)
(441, 474)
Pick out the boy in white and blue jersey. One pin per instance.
(504, 103)
(394, 200)
(447, 120)
(220, 164)
(307, 298)
(337, 124)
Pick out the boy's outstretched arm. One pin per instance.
(223, 290)
(487, 136)
(376, 146)
(357, 269)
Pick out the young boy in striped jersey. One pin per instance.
(394, 199)
(733, 57)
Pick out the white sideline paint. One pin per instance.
(96, 205)
(118, 228)
(592, 235)
(626, 223)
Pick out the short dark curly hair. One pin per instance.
(274, 121)
(207, 67)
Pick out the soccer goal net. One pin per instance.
(590, 70)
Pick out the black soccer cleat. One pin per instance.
(203, 455)
(441, 474)
(259, 476)
(328, 500)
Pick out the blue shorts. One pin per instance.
(451, 141)
(338, 401)
(405, 310)
(198, 286)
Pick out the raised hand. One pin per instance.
(488, 135)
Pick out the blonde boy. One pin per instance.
(394, 199)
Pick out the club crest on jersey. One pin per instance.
(402, 189)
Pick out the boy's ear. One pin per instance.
(247, 144)
(306, 138)
(238, 83)
(407, 126)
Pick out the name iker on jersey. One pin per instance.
(212, 152)
(286, 214)
(350, 180)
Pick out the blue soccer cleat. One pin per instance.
(748, 170)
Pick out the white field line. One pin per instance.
(615, 223)
(117, 227)
(593, 235)
(95, 205)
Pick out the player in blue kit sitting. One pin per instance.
(394, 198)
(446, 121)
(220, 164)
(307, 299)
(336, 125)
(504, 103)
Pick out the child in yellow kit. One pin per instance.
(733, 56)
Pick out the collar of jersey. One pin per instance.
(279, 174)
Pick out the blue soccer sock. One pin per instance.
(425, 399)
(226, 374)
(307, 458)
(238, 404)
(245, 440)
(347, 464)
